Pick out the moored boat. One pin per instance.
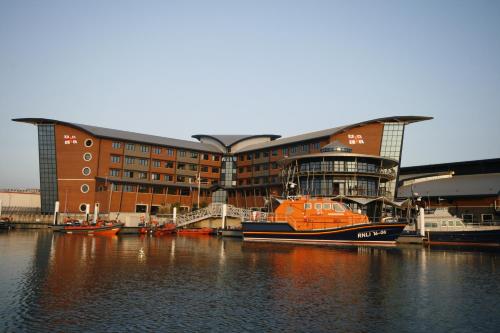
(100, 228)
(196, 231)
(442, 228)
(320, 221)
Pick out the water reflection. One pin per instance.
(81, 283)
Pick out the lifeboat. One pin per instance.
(101, 228)
(320, 221)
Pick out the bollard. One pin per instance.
(96, 212)
(421, 221)
(175, 215)
(56, 213)
(224, 214)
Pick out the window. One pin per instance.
(265, 166)
(182, 153)
(141, 208)
(293, 150)
(156, 163)
(194, 154)
(114, 173)
(88, 142)
(181, 166)
(129, 160)
(274, 165)
(157, 190)
(468, 218)
(129, 146)
(338, 208)
(144, 149)
(327, 206)
(274, 152)
(169, 164)
(168, 178)
(193, 167)
(317, 206)
(205, 157)
(256, 168)
(307, 205)
(184, 191)
(143, 175)
(265, 154)
(115, 159)
(240, 170)
(249, 157)
(143, 161)
(155, 176)
(87, 157)
(257, 155)
(305, 148)
(86, 171)
(116, 145)
(315, 146)
(84, 188)
(83, 208)
(128, 188)
(241, 157)
(215, 170)
(285, 151)
(181, 179)
(143, 188)
(170, 152)
(128, 174)
(157, 150)
(487, 218)
(215, 157)
(204, 168)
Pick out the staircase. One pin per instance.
(215, 210)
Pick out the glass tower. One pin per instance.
(48, 168)
(392, 144)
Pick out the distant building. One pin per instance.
(122, 171)
(471, 189)
(14, 201)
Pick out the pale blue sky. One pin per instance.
(177, 68)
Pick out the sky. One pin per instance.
(178, 68)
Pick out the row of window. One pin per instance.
(166, 164)
(284, 150)
(168, 151)
(158, 176)
(258, 167)
(258, 181)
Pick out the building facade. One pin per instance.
(469, 189)
(81, 165)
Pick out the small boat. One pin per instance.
(196, 231)
(319, 221)
(442, 228)
(165, 229)
(101, 228)
(5, 223)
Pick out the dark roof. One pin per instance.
(336, 146)
(465, 185)
(228, 140)
(330, 131)
(460, 168)
(125, 135)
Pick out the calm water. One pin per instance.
(68, 283)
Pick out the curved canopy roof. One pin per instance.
(227, 140)
(108, 133)
(331, 131)
(386, 161)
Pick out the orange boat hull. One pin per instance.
(91, 230)
(196, 231)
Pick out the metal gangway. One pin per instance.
(217, 210)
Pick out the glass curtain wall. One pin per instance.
(392, 142)
(48, 167)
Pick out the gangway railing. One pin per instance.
(216, 210)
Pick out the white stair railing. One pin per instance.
(215, 210)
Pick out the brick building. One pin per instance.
(131, 172)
